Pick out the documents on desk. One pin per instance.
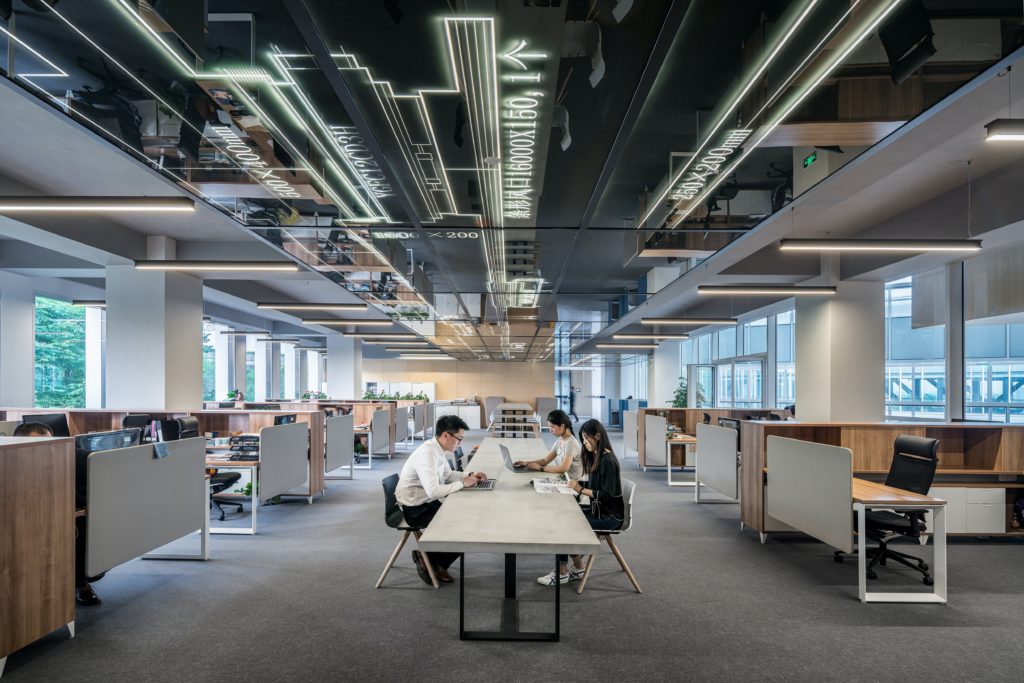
(552, 485)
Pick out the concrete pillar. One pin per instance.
(663, 379)
(154, 339)
(224, 349)
(262, 368)
(239, 362)
(344, 367)
(274, 356)
(302, 366)
(291, 375)
(955, 341)
(95, 360)
(840, 354)
(17, 344)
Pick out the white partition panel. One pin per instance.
(810, 488)
(401, 424)
(138, 502)
(629, 434)
(419, 420)
(284, 459)
(654, 440)
(716, 459)
(340, 441)
(380, 426)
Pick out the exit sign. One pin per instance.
(810, 159)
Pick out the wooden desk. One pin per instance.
(868, 495)
(512, 519)
(686, 421)
(37, 540)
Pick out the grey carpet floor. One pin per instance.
(297, 601)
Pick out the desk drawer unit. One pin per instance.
(972, 510)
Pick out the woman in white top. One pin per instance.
(565, 458)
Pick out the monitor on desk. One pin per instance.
(107, 441)
(285, 419)
(226, 404)
(57, 422)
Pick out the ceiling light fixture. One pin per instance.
(572, 368)
(870, 245)
(278, 340)
(95, 303)
(1005, 130)
(240, 333)
(282, 306)
(785, 290)
(98, 204)
(223, 266)
(650, 336)
(373, 336)
(339, 321)
(627, 346)
(688, 321)
(408, 356)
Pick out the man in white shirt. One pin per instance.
(426, 479)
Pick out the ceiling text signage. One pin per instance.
(708, 165)
(519, 113)
(254, 164)
(358, 154)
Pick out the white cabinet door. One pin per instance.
(986, 518)
(956, 513)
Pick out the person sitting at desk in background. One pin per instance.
(84, 594)
(426, 479)
(564, 458)
(603, 486)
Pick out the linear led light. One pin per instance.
(786, 290)
(650, 336)
(103, 204)
(879, 245)
(339, 321)
(1005, 130)
(219, 266)
(374, 336)
(573, 368)
(408, 343)
(278, 340)
(282, 306)
(97, 303)
(688, 321)
(409, 356)
(627, 346)
(242, 333)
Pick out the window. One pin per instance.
(785, 358)
(727, 343)
(755, 337)
(209, 363)
(994, 372)
(915, 366)
(59, 354)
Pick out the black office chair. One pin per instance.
(219, 483)
(707, 418)
(394, 518)
(914, 460)
(188, 427)
(141, 422)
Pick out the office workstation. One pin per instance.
(661, 339)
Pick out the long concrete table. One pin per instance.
(512, 520)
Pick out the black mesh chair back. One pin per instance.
(393, 516)
(188, 427)
(774, 417)
(707, 418)
(914, 460)
(139, 421)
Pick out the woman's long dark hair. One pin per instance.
(560, 419)
(595, 430)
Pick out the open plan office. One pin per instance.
(511, 339)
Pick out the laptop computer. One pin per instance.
(482, 486)
(508, 460)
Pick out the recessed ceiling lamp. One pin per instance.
(784, 290)
(96, 204)
(650, 336)
(688, 321)
(282, 306)
(627, 346)
(219, 266)
(96, 303)
(879, 245)
(339, 321)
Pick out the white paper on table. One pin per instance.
(552, 486)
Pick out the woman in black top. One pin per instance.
(604, 484)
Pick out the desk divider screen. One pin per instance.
(380, 425)
(340, 442)
(654, 440)
(810, 487)
(419, 419)
(716, 459)
(137, 503)
(629, 431)
(401, 424)
(284, 459)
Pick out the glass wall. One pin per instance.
(59, 354)
(915, 365)
(209, 363)
(785, 359)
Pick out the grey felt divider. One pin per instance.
(716, 459)
(138, 503)
(340, 442)
(654, 440)
(629, 433)
(419, 419)
(284, 459)
(380, 426)
(401, 424)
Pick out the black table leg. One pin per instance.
(509, 629)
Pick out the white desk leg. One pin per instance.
(255, 503)
(862, 553)
(3, 661)
(939, 573)
(71, 631)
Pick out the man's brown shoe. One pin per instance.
(442, 575)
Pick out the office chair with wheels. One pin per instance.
(394, 518)
(141, 422)
(707, 418)
(628, 494)
(913, 466)
(220, 482)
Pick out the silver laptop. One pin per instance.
(508, 460)
(482, 486)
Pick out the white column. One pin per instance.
(302, 368)
(262, 367)
(154, 339)
(275, 370)
(840, 354)
(344, 367)
(955, 340)
(17, 345)
(291, 375)
(239, 363)
(94, 357)
(223, 350)
(664, 377)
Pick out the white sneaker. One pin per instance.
(576, 574)
(549, 579)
